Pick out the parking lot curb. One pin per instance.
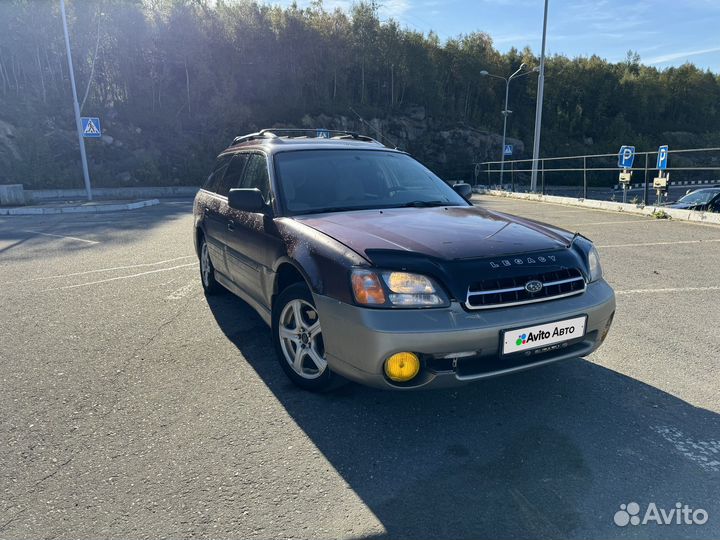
(77, 209)
(674, 213)
(39, 196)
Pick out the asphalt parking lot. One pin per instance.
(134, 407)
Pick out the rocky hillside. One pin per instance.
(128, 155)
(450, 150)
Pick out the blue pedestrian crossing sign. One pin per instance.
(626, 156)
(323, 134)
(90, 126)
(662, 157)
(507, 151)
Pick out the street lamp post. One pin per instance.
(539, 106)
(506, 112)
(78, 124)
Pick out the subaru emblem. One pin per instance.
(533, 286)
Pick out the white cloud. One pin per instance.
(394, 8)
(516, 39)
(679, 55)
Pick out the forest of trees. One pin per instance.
(175, 80)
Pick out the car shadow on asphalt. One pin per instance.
(547, 453)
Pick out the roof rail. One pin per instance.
(307, 133)
(252, 136)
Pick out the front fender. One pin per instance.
(323, 261)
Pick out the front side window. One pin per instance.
(256, 175)
(314, 181)
(216, 175)
(233, 174)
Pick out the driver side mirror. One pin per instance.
(246, 200)
(463, 189)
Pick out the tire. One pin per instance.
(207, 271)
(300, 348)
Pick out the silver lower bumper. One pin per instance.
(358, 340)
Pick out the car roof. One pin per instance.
(272, 146)
(285, 139)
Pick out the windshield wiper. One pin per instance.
(411, 204)
(336, 209)
(424, 204)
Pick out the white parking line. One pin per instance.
(659, 243)
(61, 236)
(646, 220)
(563, 211)
(120, 277)
(140, 265)
(669, 290)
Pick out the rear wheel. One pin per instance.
(207, 271)
(298, 340)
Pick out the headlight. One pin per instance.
(367, 288)
(594, 264)
(400, 289)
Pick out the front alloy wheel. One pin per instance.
(301, 339)
(298, 340)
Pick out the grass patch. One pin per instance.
(661, 214)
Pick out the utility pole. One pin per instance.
(506, 112)
(78, 123)
(539, 106)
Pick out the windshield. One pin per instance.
(698, 197)
(314, 181)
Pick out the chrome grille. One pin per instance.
(510, 291)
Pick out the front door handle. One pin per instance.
(231, 225)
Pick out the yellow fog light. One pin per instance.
(402, 366)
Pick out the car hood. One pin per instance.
(444, 233)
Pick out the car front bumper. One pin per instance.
(358, 340)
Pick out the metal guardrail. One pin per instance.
(599, 171)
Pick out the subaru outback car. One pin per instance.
(369, 267)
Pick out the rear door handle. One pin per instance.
(231, 225)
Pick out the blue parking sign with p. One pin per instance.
(662, 157)
(626, 156)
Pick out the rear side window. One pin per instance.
(256, 175)
(217, 173)
(233, 174)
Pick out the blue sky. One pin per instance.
(664, 32)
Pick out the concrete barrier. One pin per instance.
(674, 213)
(159, 192)
(77, 209)
(12, 195)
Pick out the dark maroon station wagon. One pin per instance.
(369, 267)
